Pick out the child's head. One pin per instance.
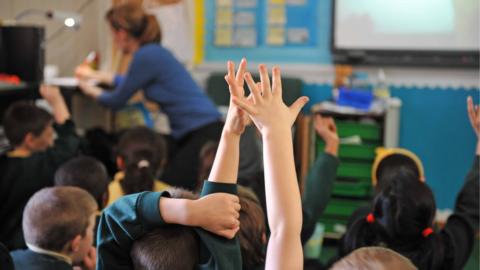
(179, 244)
(389, 160)
(28, 126)
(61, 219)
(401, 219)
(172, 247)
(374, 258)
(140, 154)
(87, 173)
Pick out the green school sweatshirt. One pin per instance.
(318, 188)
(132, 216)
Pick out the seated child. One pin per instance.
(58, 223)
(374, 258)
(33, 158)
(388, 161)
(401, 219)
(87, 173)
(141, 154)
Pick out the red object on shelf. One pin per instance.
(12, 79)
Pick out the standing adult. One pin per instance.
(193, 117)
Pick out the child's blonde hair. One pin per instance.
(374, 258)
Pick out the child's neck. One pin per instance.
(59, 255)
(20, 152)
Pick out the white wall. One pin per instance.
(70, 47)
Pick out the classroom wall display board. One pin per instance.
(271, 30)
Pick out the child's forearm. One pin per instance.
(283, 201)
(225, 165)
(175, 211)
(282, 191)
(60, 111)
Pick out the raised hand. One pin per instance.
(237, 119)
(473, 115)
(266, 107)
(51, 94)
(327, 130)
(55, 99)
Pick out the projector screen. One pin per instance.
(407, 25)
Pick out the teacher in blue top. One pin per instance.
(193, 117)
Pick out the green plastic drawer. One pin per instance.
(333, 225)
(365, 131)
(343, 207)
(360, 190)
(355, 170)
(363, 151)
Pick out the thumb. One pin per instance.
(298, 105)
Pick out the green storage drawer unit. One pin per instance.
(362, 151)
(358, 190)
(354, 170)
(343, 207)
(334, 225)
(369, 132)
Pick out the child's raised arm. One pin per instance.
(274, 120)
(55, 99)
(225, 165)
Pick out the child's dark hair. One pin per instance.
(252, 232)
(142, 152)
(87, 173)
(170, 247)
(401, 220)
(22, 118)
(390, 165)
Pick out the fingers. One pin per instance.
(265, 81)
(318, 119)
(229, 234)
(298, 105)
(232, 86)
(241, 71)
(276, 82)
(331, 124)
(245, 106)
(470, 110)
(254, 89)
(473, 115)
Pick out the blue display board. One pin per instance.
(306, 31)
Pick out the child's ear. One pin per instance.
(29, 141)
(75, 243)
(120, 163)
